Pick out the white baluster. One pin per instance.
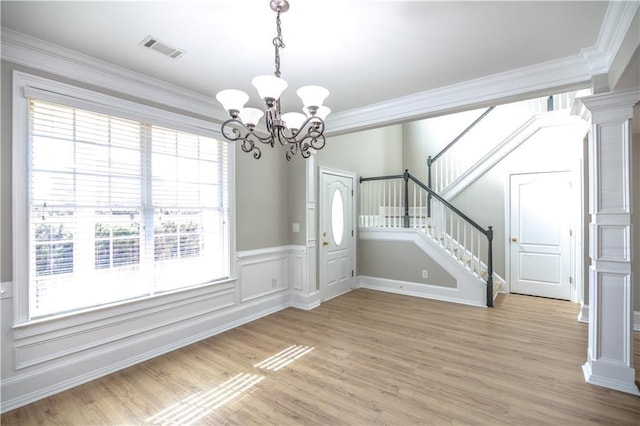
(458, 255)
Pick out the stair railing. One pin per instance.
(462, 153)
(403, 201)
(449, 168)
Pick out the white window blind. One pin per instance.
(120, 209)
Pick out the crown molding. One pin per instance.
(44, 56)
(570, 72)
(616, 24)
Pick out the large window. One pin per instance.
(120, 209)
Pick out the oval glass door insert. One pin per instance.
(337, 217)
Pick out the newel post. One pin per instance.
(405, 176)
(490, 267)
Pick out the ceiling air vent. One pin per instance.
(161, 47)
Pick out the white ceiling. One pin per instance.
(364, 52)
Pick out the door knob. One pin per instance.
(324, 243)
(514, 240)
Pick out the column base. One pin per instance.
(625, 383)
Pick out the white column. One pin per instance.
(610, 348)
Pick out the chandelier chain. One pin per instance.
(278, 43)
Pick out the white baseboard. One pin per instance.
(583, 315)
(305, 302)
(428, 291)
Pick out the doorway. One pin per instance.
(540, 233)
(337, 232)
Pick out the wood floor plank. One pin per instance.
(366, 358)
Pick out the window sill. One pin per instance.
(102, 316)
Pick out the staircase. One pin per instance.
(462, 247)
(401, 207)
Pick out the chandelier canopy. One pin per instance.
(296, 131)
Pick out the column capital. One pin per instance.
(612, 107)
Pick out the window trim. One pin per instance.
(26, 85)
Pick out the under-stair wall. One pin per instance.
(407, 261)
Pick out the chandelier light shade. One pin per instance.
(296, 131)
(232, 100)
(250, 116)
(312, 96)
(269, 88)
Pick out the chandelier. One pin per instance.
(296, 131)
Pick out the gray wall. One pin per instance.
(368, 153)
(270, 198)
(262, 199)
(402, 261)
(296, 172)
(428, 137)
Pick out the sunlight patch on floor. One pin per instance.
(281, 359)
(192, 409)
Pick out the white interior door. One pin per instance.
(337, 249)
(540, 225)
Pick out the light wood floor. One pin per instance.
(364, 358)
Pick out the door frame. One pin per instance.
(322, 171)
(576, 223)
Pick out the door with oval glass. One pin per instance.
(337, 234)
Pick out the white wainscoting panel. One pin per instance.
(298, 269)
(263, 272)
(92, 337)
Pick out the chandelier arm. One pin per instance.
(248, 145)
(304, 149)
(233, 130)
(291, 151)
(313, 127)
(270, 121)
(282, 138)
(316, 134)
(311, 141)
